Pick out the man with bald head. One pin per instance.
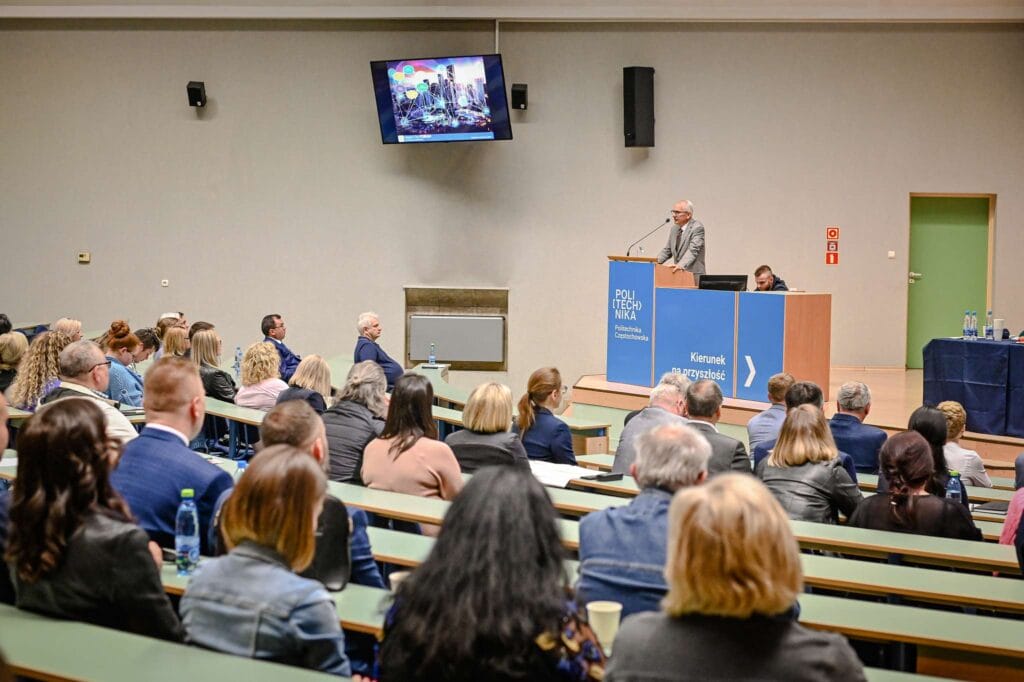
(155, 467)
(685, 247)
(85, 372)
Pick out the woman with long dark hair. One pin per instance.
(545, 436)
(492, 601)
(908, 506)
(74, 550)
(930, 422)
(407, 457)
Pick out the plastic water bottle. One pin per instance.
(239, 469)
(990, 327)
(954, 489)
(186, 534)
(974, 325)
(432, 358)
(238, 363)
(967, 324)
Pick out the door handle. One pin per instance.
(914, 276)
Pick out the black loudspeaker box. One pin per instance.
(519, 99)
(638, 105)
(196, 93)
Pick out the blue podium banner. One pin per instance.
(761, 340)
(695, 334)
(630, 322)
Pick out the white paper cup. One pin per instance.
(604, 619)
(999, 324)
(396, 579)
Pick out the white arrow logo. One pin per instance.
(753, 372)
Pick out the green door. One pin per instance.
(948, 268)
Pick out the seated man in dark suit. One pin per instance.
(804, 393)
(704, 409)
(367, 347)
(156, 466)
(622, 549)
(274, 331)
(852, 436)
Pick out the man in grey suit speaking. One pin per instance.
(685, 240)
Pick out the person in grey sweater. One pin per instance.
(725, 621)
(666, 407)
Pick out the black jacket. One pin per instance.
(350, 427)
(217, 383)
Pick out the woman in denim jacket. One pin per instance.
(120, 347)
(251, 602)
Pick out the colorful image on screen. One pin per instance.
(440, 99)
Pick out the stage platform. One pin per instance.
(895, 394)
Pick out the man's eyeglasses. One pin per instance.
(100, 364)
(678, 212)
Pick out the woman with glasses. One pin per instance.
(545, 436)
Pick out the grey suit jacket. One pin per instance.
(690, 254)
(648, 418)
(727, 454)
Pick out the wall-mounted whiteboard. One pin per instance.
(458, 338)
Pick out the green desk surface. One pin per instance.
(232, 412)
(976, 494)
(52, 649)
(602, 462)
(1003, 483)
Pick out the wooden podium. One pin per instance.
(659, 322)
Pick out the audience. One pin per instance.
(367, 348)
(967, 462)
(205, 355)
(666, 406)
(175, 343)
(84, 371)
(491, 601)
(163, 325)
(804, 393)
(150, 344)
(6, 587)
(125, 386)
(274, 331)
(907, 506)
(704, 409)
(407, 457)
(72, 328)
(5, 324)
(931, 423)
(765, 426)
(157, 465)
(355, 420)
(73, 550)
(311, 383)
(38, 371)
(13, 347)
(804, 473)
(734, 575)
(545, 436)
(851, 434)
(677, 379)
(250, 602)
(487, 437)
(261, 379)
(622, 549)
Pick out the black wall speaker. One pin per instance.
(638, 105)
(519, 99)
(196, 93)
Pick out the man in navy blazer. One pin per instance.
(367, 348)
(274, 331)
(156, 466)
(851, 434)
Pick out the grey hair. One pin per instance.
(689, 205)
(78, 358)
(665, 392)
(363, 322)
(671, 456)
(366, 384)
(677, 379)
(703, 398)
(853, 396)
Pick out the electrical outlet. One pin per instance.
(892, 254)
(84, 257)
(165, 282)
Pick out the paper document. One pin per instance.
(557, 475)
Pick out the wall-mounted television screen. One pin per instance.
(441, 99)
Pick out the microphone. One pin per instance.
(660, 225)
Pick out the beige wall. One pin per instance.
(281, 198)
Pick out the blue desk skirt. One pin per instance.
(986, 377)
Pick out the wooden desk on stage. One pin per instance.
(657, 323)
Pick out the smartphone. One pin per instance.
(603, 477)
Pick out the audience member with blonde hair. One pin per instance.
(967, 462)
(734, 575)
(355, 420)
(765, 426)
(545, 436)
(311, 382)
(176, 342)
(125, 385)
(487, 438)
(251, 602)
(804, 471)
(38, 371)
(73, 328)
(206, 349)
(13, 346)
(261, 377)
